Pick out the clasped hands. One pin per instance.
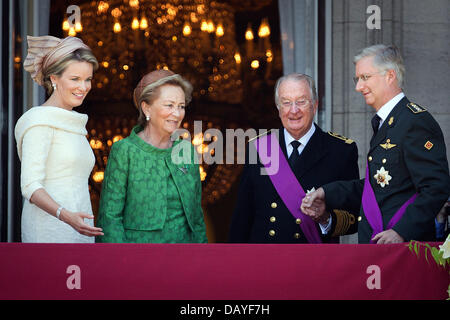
(313, 205)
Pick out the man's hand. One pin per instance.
(388, 236)
(313, 205)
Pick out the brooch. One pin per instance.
(382, 177)
(183, 169)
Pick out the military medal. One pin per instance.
(372, 210)
(382, 177)
(388, 145)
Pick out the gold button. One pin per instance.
(273, 219)
(370, 158)
(271, 233)
(384, 160)
(359, 218)
(297, 235)
(298, 221)
(388, 140)
(273, 205)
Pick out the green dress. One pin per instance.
(151, 195)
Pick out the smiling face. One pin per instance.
(376, 89)
(73, 85)
(295, 107)
(167, 111)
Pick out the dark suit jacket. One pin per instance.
(415, 166)
(261, 216)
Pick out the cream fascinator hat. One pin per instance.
(45, 51)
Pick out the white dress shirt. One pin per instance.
(303, 140)
(384, 111)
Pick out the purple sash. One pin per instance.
(286, 184)
(373, 212)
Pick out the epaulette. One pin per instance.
(415, 108)
(262, 134)
(347, 140)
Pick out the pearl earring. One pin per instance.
(54, 86)
(147, 118)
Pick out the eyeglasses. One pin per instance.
(365, 77)
(299, 104)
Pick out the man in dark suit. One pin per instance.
(407, 178)
(311, 157)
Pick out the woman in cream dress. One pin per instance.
(56, 159)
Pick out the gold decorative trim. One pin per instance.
(343, 222)
(347, 140)
(415, 108)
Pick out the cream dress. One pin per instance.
(56, 156)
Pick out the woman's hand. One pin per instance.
(76, 221)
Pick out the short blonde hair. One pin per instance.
(151, 92)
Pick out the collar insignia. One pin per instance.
(428, 145)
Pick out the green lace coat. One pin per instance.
(151, 195)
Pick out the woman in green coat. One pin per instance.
(148, 194)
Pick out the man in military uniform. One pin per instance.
(407, 178)
(308, 158)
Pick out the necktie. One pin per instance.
(294, 158)
(375, 124)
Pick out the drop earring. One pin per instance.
(54, 86)
(147, 118)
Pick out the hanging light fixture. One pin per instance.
(264, 29)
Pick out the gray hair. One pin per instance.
(57, 69)
(297, 77)
(151, 92)
(384, 58)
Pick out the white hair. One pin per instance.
(297, 77)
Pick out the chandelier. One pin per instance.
(193, 38)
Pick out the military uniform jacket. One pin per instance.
(406, 156)
(260, 215)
